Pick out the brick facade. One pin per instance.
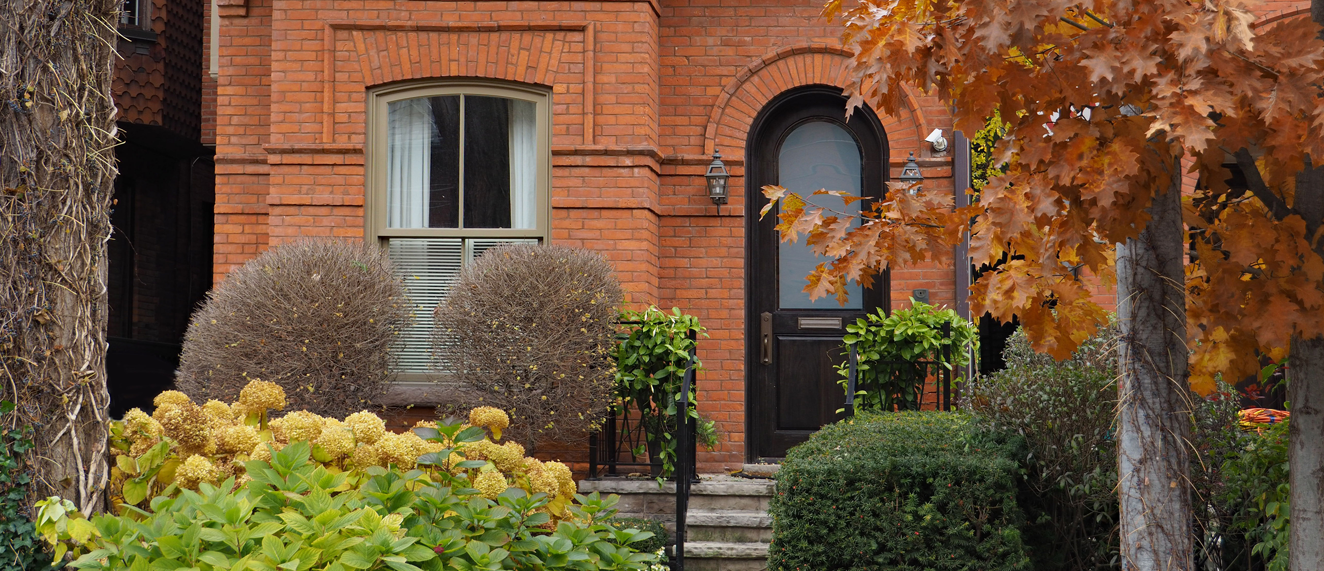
(643, 92)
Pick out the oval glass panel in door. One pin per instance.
(816, 155)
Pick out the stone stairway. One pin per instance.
(728, 523)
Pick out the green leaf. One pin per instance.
(135, 491)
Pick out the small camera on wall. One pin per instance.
(920, 295)
(938, 142)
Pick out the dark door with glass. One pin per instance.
(803, 142)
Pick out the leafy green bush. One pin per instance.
(1255, 492)
(19, 546)
(650, 366)
(650, 545)
(906, 491)
(889, 346)
(296, 514)
(1066, 411)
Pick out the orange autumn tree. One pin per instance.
(1108, 104)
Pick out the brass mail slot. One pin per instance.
(820, 323)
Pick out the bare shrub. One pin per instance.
(530, 329)
(315, 317)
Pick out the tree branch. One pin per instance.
(1276, 205)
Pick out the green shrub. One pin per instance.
(889, 346)
(1066, 411)
(910, 490)
(1255, 495)
(650, 367)
(650, 545)
(19, 545)
(297, 515)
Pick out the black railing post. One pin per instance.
(947, 362)
(693, 421)
(850, 381)
(612, 445)
(685, 461)
(593, 453)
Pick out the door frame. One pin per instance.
(757, 170)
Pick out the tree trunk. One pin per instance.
(57, 131)
(1305, 453)
(1154, 400)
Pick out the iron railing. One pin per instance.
(942, 395)
(624, 436)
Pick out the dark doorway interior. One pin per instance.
(160, 259)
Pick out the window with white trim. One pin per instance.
(453, 169)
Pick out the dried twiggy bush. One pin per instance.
(530, 329)
(315, 317)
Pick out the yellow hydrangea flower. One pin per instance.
(171, 398)
(263, 451)
(368, 428)
(491, 418)
(234, 439)
(219, 412)
(507, 457)
(366, 455)
(336, 439)
(564, 478)
(189, 426)
(260, 395)
(195, 470)
(398, 449)
(490, 484)
(302, 426)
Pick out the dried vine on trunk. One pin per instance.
(57, 131)
(1154, 406)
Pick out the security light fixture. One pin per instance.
(910, 175)
(717, 177)
(937, 141)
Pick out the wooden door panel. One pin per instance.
(803, 399)
(795, 392)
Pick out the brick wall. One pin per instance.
(643, 92)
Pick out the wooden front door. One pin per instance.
(803, 142)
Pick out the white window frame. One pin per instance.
(376, 208)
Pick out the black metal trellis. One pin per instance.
(623, 435)
(942, 397)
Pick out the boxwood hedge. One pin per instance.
(900, 491)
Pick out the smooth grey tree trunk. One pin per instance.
(1305, 394)
(1154, 398)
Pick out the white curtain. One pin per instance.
(523, 164)
(409, 161)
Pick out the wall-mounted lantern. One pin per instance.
(717, 177)
(910, 175)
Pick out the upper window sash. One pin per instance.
(405, 199)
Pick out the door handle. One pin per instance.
(765, 327)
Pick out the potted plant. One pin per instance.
(650, 367)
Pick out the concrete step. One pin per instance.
(725, 556)
(645, 498)
(732, 526)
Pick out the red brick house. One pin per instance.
(438, 128)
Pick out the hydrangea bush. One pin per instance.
(295, 513)
(182, 446)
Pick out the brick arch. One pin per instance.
(1274, 18)
(520, 56)
(787, 68)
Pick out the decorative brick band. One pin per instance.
(397, 51)
(776, 72)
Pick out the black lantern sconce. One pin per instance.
(910, 175)
(717, 177)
